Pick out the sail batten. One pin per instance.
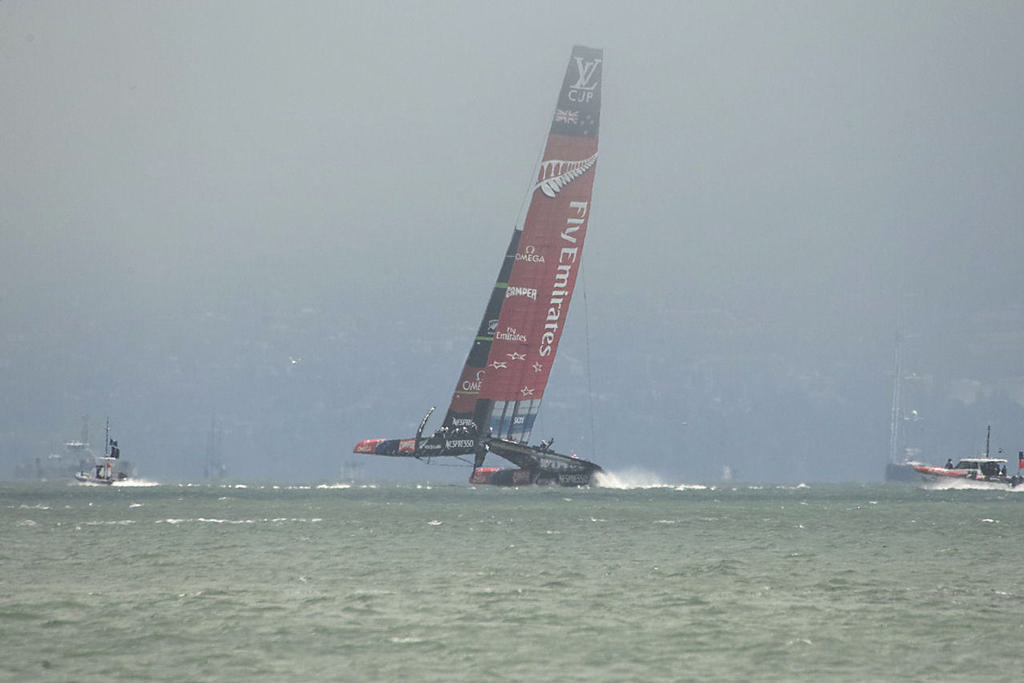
(506, 373)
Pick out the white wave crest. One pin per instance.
(633, 478)
(969, 484)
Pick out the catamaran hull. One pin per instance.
(500, 476)
(394, 447)
(535, 467)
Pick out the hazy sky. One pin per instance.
(182, 182)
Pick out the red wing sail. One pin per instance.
(507, 370)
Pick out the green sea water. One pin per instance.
(456, 583)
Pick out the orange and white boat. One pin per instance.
(983, 470)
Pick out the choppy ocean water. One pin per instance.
(455, 583)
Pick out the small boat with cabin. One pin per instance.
(983, 470)
(107, 469)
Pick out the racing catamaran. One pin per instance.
(498, 394)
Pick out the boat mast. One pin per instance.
(894, 421)
(897, 382)
(988, 437)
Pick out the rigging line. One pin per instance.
(531, 187)
(590, 390)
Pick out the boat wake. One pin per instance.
(633, 478)
(134, 483)
(969, 485)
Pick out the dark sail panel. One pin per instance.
(524, 339)
(467, 390)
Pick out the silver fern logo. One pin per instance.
(556, 174)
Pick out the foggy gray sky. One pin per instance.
(289, 215)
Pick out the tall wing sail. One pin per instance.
(507, 370)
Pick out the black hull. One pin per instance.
(493, 476)
(901, 472)
(537, 465)
(569, 479)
